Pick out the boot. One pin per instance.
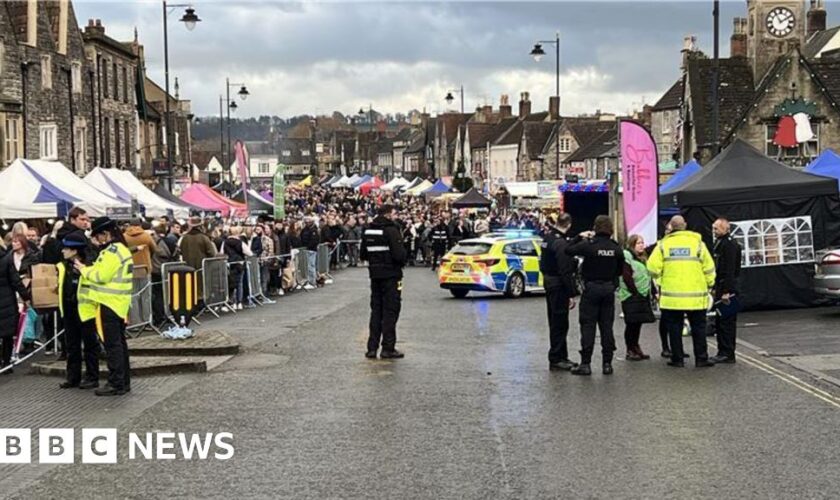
(608, 369)
(642, 356)
(395, 354)
(632, 355)
(582, 369)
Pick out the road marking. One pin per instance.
(790, 379)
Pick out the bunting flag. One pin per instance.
(640, 176)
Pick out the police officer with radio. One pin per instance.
(603, 262)
(727, 255)
(383, 249)
(558, 271)
(440, 241)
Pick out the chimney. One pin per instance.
(689, 48)
(554, 107)
(816, 17)
(505, 111)
(524, 105)
(95, 27)
(738, 42)
(487, 111)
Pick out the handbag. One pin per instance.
(637, 309)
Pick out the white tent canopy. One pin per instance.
(122, 184)
(395, 183)
(37, 189)
(344, 182)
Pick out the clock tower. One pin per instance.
(775, 27)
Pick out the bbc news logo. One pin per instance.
(100, 446)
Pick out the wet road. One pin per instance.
(472, 412)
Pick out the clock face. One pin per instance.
(780, 22)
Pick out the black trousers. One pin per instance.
(78, 333)
(597, 309)
(158, 307)
(632, 332)
(663, 335)
(437, 254)
(7, 346)
(385, 304)
(726, 335)
(557, 303)
(113, 330)
(674, 321)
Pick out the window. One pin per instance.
(103, 84)
(128, 148)
(116, 82)
(2, 54)
(106, 132)
(287, 152)
(262, 167)
(125, 84)
(48, 134)
(12, 138)
(521, 248)
(565, 145)
(798, 156)
(774, 242)
(304, 152)
(117, 143)
(76, 77)
(177, 144)
(81, 149)
(46, 72)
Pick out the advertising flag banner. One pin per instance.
(639, 172)
(280, 192)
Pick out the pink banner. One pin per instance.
(639, 173)
(242, 164)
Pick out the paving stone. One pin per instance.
(204, 343)
(140, 367)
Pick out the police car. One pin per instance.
(504, 262)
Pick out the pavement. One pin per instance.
(471, 412)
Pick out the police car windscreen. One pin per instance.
(471, 249)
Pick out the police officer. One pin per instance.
(383, 249)
(728, 268)
(76, 331)
(685, 271)
(105, 296)
(558, 271)
(440, 241)
(603, 262)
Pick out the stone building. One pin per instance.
(779, 90)
(44, 82)
(114, 70)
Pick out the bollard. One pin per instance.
(183, 293)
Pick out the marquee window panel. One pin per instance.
(774, 242)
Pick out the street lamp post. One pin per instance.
(537, 53)
(232, 106)
(189, 19)
(449, 97)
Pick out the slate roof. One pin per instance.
(451, 122)
(121, 48)
(536, 134)
(736, 93)
(260, 148)
(480, 134)
(404, 135)
(672, 99)
(513, 135)
(587, 129)
(828, 72)
(417, 144)
(604, 145)
(818, 41)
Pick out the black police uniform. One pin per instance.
(603, 262)
(558, 271)
(440, 242)
(727, 269)
(78, 333)
(383, 249)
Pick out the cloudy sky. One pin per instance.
(317, 57)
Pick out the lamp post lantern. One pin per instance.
(537, 53)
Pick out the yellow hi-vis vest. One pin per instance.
(685, 271)
(108, 282)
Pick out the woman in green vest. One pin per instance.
(106, 288)
(634, 293)
(76, 331)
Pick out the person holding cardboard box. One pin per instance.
(77, 332)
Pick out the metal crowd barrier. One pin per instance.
(140, 315)
(215, 286)
(351, 252)
(252, 271)
(301, 262)
(323, 259)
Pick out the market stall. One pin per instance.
(438, 188)
(419, 188)
(210, 201)
(472, 199)
(257, 204)
(827, 165)
(780, 217)
(36, 189)
(395, 184)
(366, 188)
(122, 184)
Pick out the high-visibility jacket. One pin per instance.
(108, 282)
(685, 271)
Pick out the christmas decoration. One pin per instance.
(794, 125)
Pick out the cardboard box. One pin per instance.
(44, 286)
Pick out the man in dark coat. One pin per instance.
(383, 249)
(560, 289)
(728, 267)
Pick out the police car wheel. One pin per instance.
(459, 294)
(515, 287)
